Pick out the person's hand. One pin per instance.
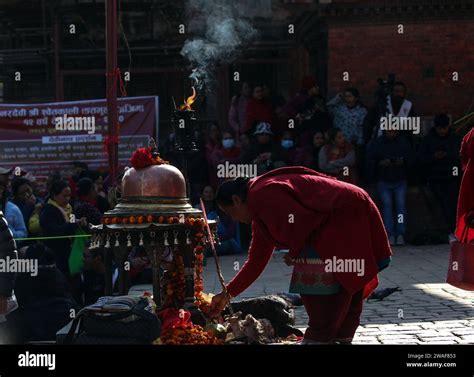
(38, 208)
(288, 260)
(218, 304)
(385, 162)
(3, 304)
(83, 222)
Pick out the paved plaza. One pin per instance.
(426, 311)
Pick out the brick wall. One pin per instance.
(424, 57)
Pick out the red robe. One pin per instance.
(339, 219)
(466, 193)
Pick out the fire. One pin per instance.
(189, 101)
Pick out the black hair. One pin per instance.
(57, 187)
(80, 164)
(42, 253)
(84, 186)
(237, 186)
(17, 183)
(332, 133)
(441, 120)
(353, 91)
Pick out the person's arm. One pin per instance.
(347, 161)
(17, 225)
(334, 103)
(260, 252)
(325, 165)
(7, 250)
(53, 225)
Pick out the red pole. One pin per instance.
(112, 79)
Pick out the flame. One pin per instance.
(189, 101)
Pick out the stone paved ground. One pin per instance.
(433, 311)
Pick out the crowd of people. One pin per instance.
(339, 137)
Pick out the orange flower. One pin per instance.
(140, 219)
(132, 219)
(149, 218)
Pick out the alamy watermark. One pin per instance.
(228, 170)
(32, 360)
(394, 123)
(345, 265)
(75, 123)
(17, 265)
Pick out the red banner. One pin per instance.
(47, 137)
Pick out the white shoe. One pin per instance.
(392, 240)
(400, 240)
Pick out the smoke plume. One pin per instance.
(224, 35)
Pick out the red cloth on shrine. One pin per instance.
(466, 192)
(337, 218)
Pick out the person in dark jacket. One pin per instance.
(23, 197)
(44, 300)
(440, 161)
(86, 205)
(57, 219)
(389, 159)
(7, 250)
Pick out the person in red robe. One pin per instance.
(465, 212)
(336, 219)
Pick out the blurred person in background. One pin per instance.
(309, 155)
(45, 301)
(12, 213)
(57, 219)
(259, 110)
(263, 150)
(23, 197)
(286, 151)
(348, 115)
(337, 157)
(213, 144)
(238, 108)
(86, 204)
(439, 158)
(390, 159)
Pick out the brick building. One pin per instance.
(361, 38)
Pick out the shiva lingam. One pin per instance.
(154, 213)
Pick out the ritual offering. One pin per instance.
(154, 213)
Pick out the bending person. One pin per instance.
(315, 217)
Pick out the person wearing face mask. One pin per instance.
(229, 152)
(348, 115)
(286, 152)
